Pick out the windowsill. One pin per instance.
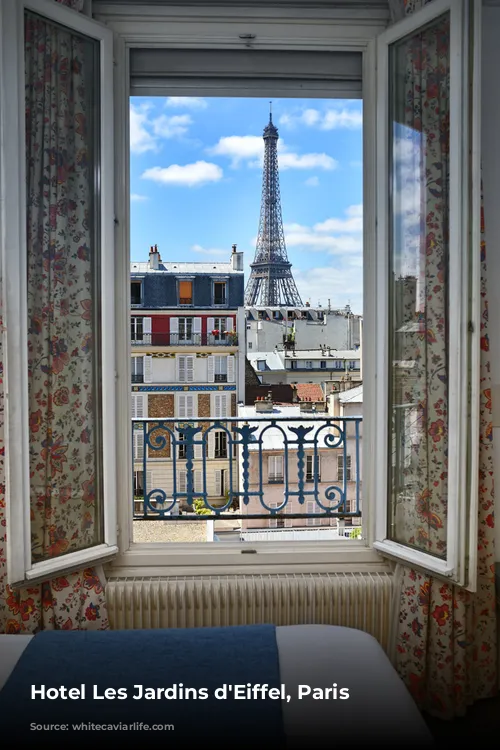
(215, 558)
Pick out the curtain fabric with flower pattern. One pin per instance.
(446, 636)
(61, 371)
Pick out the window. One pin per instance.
(139, 409)
(261, 364)
(278, 520)
(275, 469)
(220, 293)
(181, 448)
(323, 364)
(136, 329)
(185, 292)
(353, 364)
(312, 508)
(186, 406)
(138, 439)
(293, 364)
(309, 364)
(185, 329)
(249, 345)
(220, 444)
(220, 405)
(392, 484)
(220, 369)
(313, 468)
(136, 293)
(338, 364)
(137, 369)
(217, 328)
(340, 468)
(185, 368)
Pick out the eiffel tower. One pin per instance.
(271, 283)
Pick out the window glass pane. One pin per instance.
(418, 396)
(63, 261)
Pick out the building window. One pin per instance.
(275, 469)
(137, 369)
(219, 329)
(220, 450)
(136, 329)
(220, 369)
(293, 364)
(353, 364)
(261, 364)
(310, 509)
(323, 365)
(185, 292)
(185, 369)
(186, 406)
(220, 297)
(249, 344)
(136, 293)
(277, 521)
(309, 364)
(338, 364)
(185, 329)
(313, 468)
(340, 468)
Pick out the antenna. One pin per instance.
(270, 111)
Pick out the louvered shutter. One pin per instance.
(148, 369)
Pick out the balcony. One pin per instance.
(267, 479)
(177, 339)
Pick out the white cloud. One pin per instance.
(352, 223)
(312, 182)
(171, 127)
(239, 148)
(210, 251)
(335, 236)
(188, 102)
(250, 149)
(331, 119)
(146, 131)
(342, 285)
(138, 198)
(141, 139)
(189, 175)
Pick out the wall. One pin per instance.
(490, 117)
(273, 493)
(340, 332)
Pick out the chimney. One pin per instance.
(264, 403)
(154, 258)
(236, 260)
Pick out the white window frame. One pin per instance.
(20, 567)
(274, 463)
(464, 323)
(328, 30)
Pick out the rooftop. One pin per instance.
(141, 268)
(309, 391)
(352, 396)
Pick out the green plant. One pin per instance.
(200, 508)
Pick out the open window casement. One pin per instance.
(428, 247)
(58, 289)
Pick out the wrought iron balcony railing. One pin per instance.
(178, 472)
(182, 339)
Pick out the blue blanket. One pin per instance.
(203, 659)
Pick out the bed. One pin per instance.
(378, 711)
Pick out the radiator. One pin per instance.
(356, 600)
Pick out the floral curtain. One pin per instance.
(62, 371)
(446, 637)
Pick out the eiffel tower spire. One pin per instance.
(271, 283)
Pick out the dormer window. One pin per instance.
(136, 293)
(185, 292)
(220, 293)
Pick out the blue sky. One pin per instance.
(196, 185)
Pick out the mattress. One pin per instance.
(379, 709)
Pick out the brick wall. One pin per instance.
(204, 405)
(160, 405)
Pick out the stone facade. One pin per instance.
(204, 405)
(161, 405)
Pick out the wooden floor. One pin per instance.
(482, 719)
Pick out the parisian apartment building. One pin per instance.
(187, 332)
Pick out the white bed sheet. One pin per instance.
(379, 711)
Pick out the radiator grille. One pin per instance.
(356, 600)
